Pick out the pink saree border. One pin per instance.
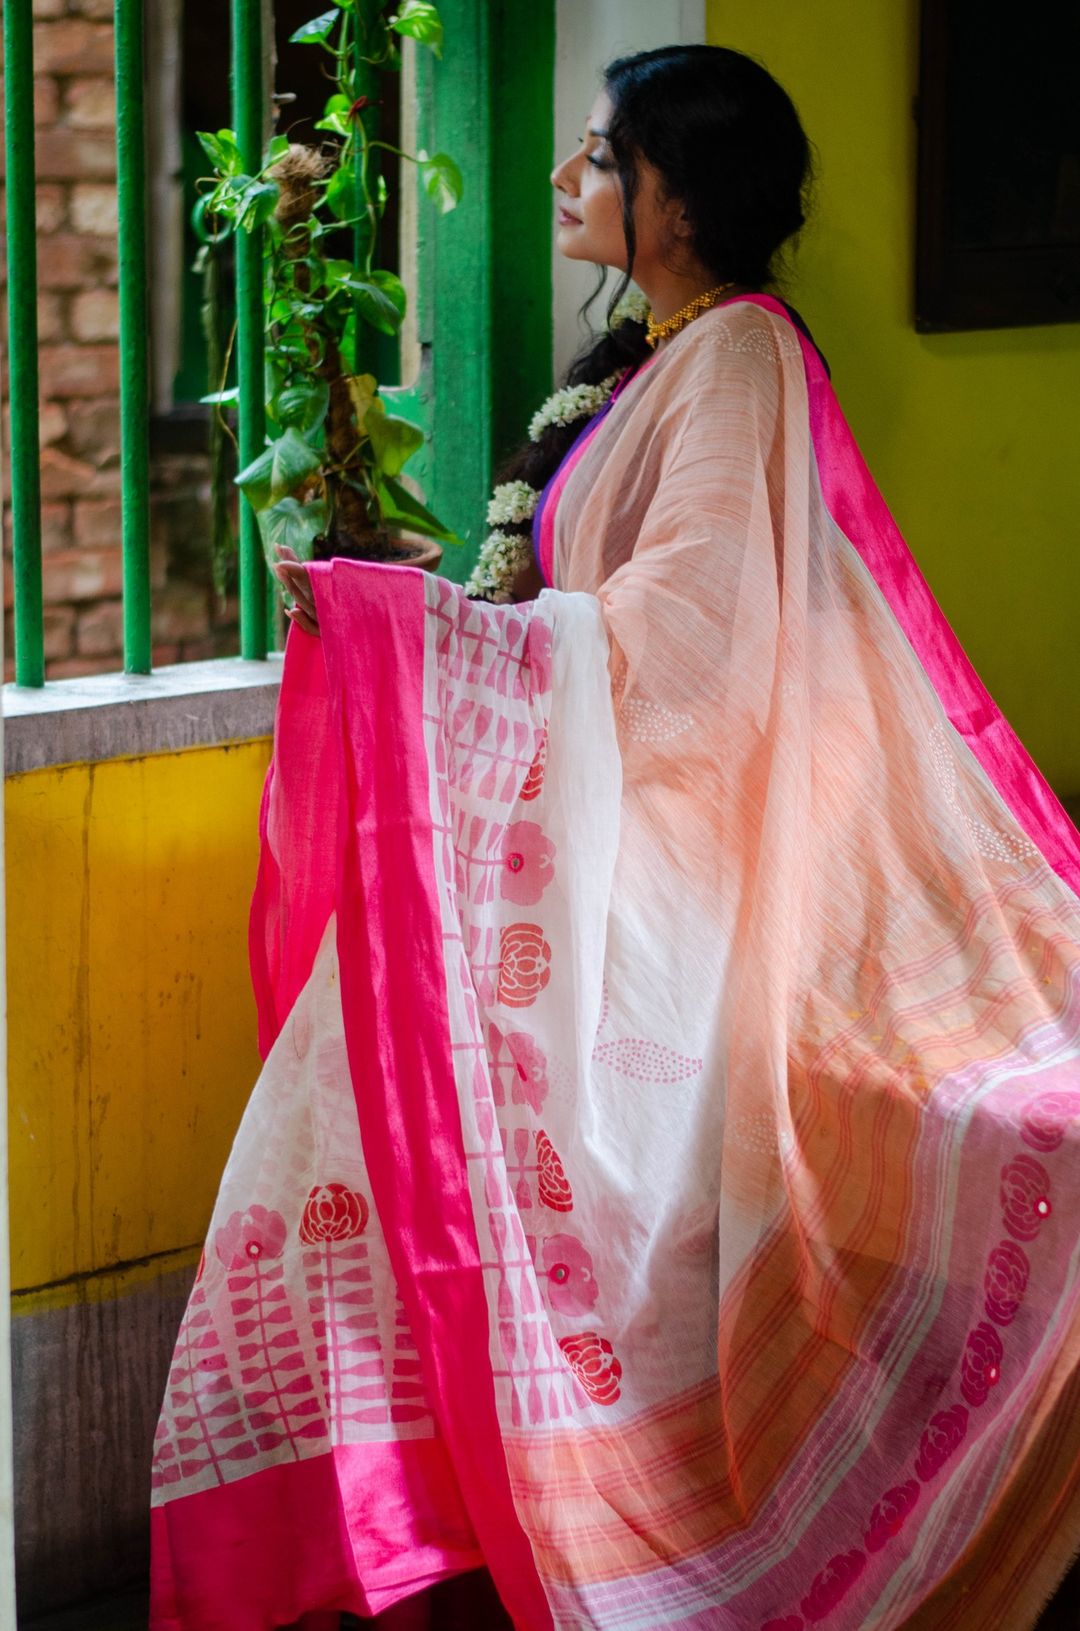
(290, 1534)
(855, 504)
(397, 1030)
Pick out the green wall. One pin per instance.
(973, 438)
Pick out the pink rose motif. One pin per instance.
(941, 1439)
(982, 1363)
(529, 1083)
(1025, 1196)
(594, 1364)
(333, 1212)
(538, 650)
(245, 1237)
(887, 1518)
(568, 1275)
(1044, 1122)
(528, 863)
(790, 1622)
(1005, 1282)
(835, 1581)
(534, 781)
(552, 1184)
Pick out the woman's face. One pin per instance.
(590, 226)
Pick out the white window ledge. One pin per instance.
(121, 716)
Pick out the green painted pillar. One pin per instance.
(247, 115)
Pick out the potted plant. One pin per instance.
(330, 479)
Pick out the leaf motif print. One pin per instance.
(642, 1061)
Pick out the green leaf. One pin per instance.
(335, 116)
(398, 505)
(278, 148)
(318, 30)
(341, 191)
(362, 388)
(221, 397)
(420, 21)
(441, 179)
(295, 524)
(258, 203)
(302, 405)
(393, 440)
(380, 300)
(222, 151)
(382, 192)
(280, 470)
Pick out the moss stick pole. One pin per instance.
(247, 114)
(134, 364)
(22, 340)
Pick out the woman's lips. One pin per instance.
(568, 220)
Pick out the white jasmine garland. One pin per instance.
(572, 402)
(503, 556)
(512, 501)
(633, 308)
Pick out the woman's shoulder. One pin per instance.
(743, 326)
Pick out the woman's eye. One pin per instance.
(600, 164)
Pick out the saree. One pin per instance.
(659, 1185)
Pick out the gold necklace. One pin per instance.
(655, 332)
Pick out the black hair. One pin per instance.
(727, 143)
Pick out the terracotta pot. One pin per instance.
(426, 553)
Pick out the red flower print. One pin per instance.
(534, 781)
(1044, 1122)
(982, 1363)
(790, 1622)
(1005, 1282)
(333, 1212)
(887, 1518)
(527, 863)
(552, 1185)
(835, 1580)
(568, 1275)
(524, 964)
(201, 1270)
(245, 1237)
(1025, 1196)
(594, 1365)
(943, 1436)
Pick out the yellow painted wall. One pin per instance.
(974, 437)
(132, 1026)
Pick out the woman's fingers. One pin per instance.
(291, 571)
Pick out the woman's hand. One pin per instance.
(291, 571)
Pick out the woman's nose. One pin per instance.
(562, 177)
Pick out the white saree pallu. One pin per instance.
(662, 1182)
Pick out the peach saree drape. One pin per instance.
(661, 1182)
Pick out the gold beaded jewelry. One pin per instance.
(655, 332)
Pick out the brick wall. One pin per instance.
(79, 369)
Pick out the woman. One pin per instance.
(657, 1189)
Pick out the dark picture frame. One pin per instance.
(998, 200)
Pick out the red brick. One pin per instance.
(91, 103)
(96, 523)
(74, 155)
(161, 656)
(93, 209)
(79, 370)
(93, 8)
(50, 318)
(51, 207)
(46, 100)
(73, 668)
(55, 527)
(94, 430)
(95, 315)
(65, 477)
(82, 574)
(50, 8)
(69, 262)
(73, 46)
(52, 423)
(58, 626)
(101, 630)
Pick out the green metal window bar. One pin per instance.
(485, 295)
